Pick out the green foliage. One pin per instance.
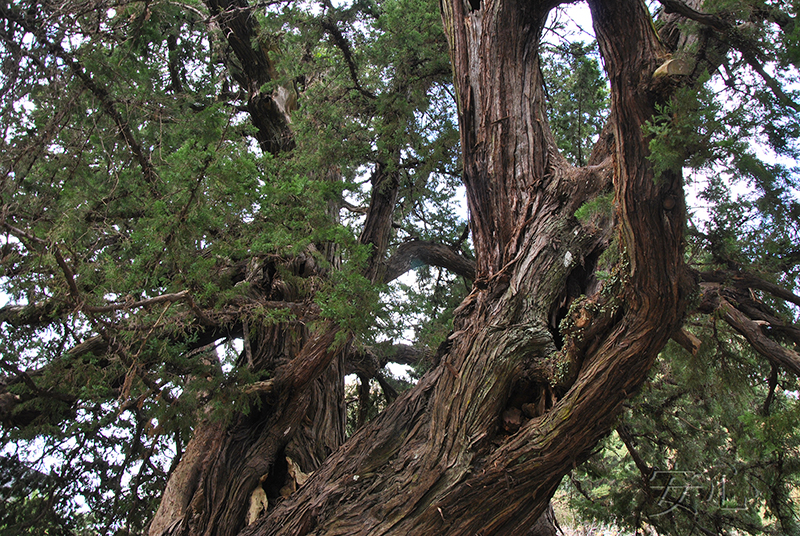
(693, 130)
(27, 503)
(161, 188)
(577, 97)
(715, 459)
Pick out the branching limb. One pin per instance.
(28, 381)
(751, 331)
(69, 275)
(734, 37)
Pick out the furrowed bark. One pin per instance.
(443, 459)
(252, 70)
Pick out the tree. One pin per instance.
(180, 176)
(577, 95)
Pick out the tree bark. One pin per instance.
(535, 373)
(453, 456)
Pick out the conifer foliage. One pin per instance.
(206, 208)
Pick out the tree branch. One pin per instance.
(734, 37)
(178, 296)
(417, 252)
(369, 360)
(270, 115)
(353, 208)
(751, 331)
(341, 43)
(687, 340)
(745, 280)
(644, 469)
(33, 315)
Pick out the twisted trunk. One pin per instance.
(540, 361)
(482, 442)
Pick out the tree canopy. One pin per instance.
(213, 211)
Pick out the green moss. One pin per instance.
(602, 205)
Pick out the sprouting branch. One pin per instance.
(687, 340)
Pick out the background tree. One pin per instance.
(178, 177)
(577, 98)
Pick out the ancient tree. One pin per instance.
(180, 176)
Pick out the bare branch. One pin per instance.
(262, 388)
(424, 252)
(745, 280)
(178, 296)
(765, 346)
(625, 434)
(687, 340)
(353, 208)
(369, 360)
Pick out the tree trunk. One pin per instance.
(540, 361)
(482, 442)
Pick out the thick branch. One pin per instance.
(378, 223)
(416, 252)
(370, 360)
(745, 280)
(269, 113)
(751, 331)
(687, 340)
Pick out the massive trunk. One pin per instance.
(540, 361)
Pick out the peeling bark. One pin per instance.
(438, 461)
